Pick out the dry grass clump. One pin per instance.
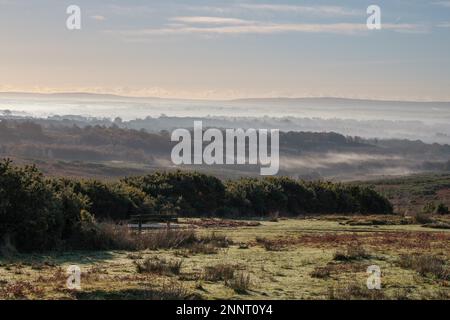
(20, 290)
(240, 282)
(354, 291)
(107, 236)
(209, 244)
(437, 225)
(159, 266)
(172, 290)
(110, 236)
(134, 256)
(378, 221)
(167, 239)
(321, 272)
(203, 248)
(219, 272)
(423, 218)
(426, 265)
(217, 240)
(352, 252)
(271, 245)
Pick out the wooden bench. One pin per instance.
(139, 219)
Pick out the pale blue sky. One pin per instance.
(228, 49)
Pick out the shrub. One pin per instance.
(39, 214)
(194, 193)
(30, 214)
(116, 201)
(7, 249)
(426, 265)
(441, 209)
(429, 208)
(433, 208)
(263, 197)
(423, 218)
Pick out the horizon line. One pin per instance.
(222, 100)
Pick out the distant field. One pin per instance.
(409, 194)
(324, 258)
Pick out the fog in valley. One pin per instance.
(329, 138)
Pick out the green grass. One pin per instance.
(308, 245)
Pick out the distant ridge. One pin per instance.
(72, 95)
(328, 100)
(276, 100)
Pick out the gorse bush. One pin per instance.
(31, 214)
(112, 201)
(434, 208)
(190, 193)
(289, 197)
(40, 214)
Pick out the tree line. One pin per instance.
(39, 213)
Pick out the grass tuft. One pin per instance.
(159, 266)
(352, 252)
(240, 282)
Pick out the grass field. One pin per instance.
(311, 258)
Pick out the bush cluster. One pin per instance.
(39, 214)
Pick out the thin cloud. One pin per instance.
(98, 17)
(266, 28)
(311, 10)
(442, 3)
(127, 10)
(211, 20)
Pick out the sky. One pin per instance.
(212, 49)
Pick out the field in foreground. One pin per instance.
(314, 258)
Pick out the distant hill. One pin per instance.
(278, 100)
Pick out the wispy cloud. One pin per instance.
(212, 20)
(130, 10)
(442, 3)
(98, 17)
(310, 10)
(262, 28)
(443, 25)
